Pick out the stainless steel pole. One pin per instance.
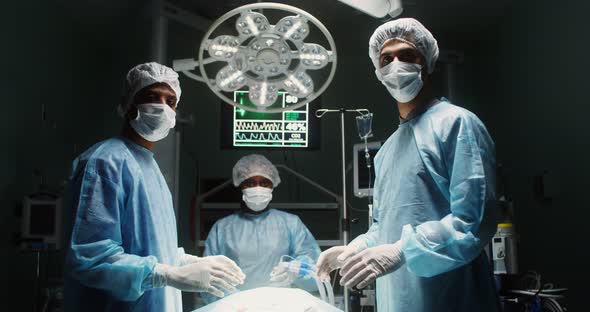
(344, 200)
(345, 225)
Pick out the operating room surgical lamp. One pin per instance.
(345, 223)
(264, 58)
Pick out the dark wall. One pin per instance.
(541, 117)
(67, 61)
(525, 78)
(37, 72)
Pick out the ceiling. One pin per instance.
(446, 14)
(458, 23)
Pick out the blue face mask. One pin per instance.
(153, 121)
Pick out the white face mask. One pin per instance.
(153, 121)
(257, 198)
(402, 80)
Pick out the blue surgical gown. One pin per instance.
(435, 177)
(256, 242)
(123, 224)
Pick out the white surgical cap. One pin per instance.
(255, 165)
(409, 31)
(144, 75)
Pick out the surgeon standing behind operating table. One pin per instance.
(123, 249)
(434, 189)
(257, 236)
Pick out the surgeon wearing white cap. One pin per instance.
(123, 252)
(257, 236)
(434, 192)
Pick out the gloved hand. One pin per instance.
(214, 274)
(188, 259)
(282, 277)
(371, 263)
(290, 269)
(333, 258)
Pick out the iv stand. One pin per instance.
(370, 195)
(345, 222)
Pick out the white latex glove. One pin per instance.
(188, 259)
(371, 263)
(333, 258)
(214, 274)
(282, 277)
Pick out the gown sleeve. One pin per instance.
(459, 154)
(369, 239)
(303, 244)
(95, 256)
(211, 249)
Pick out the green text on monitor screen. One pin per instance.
(256, 129)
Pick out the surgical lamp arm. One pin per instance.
(186, 65)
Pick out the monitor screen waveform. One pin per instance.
(255, 129)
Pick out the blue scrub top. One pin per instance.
(257, 241)
(123, 225)
(435, 179)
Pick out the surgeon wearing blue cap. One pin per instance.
(434, 192)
